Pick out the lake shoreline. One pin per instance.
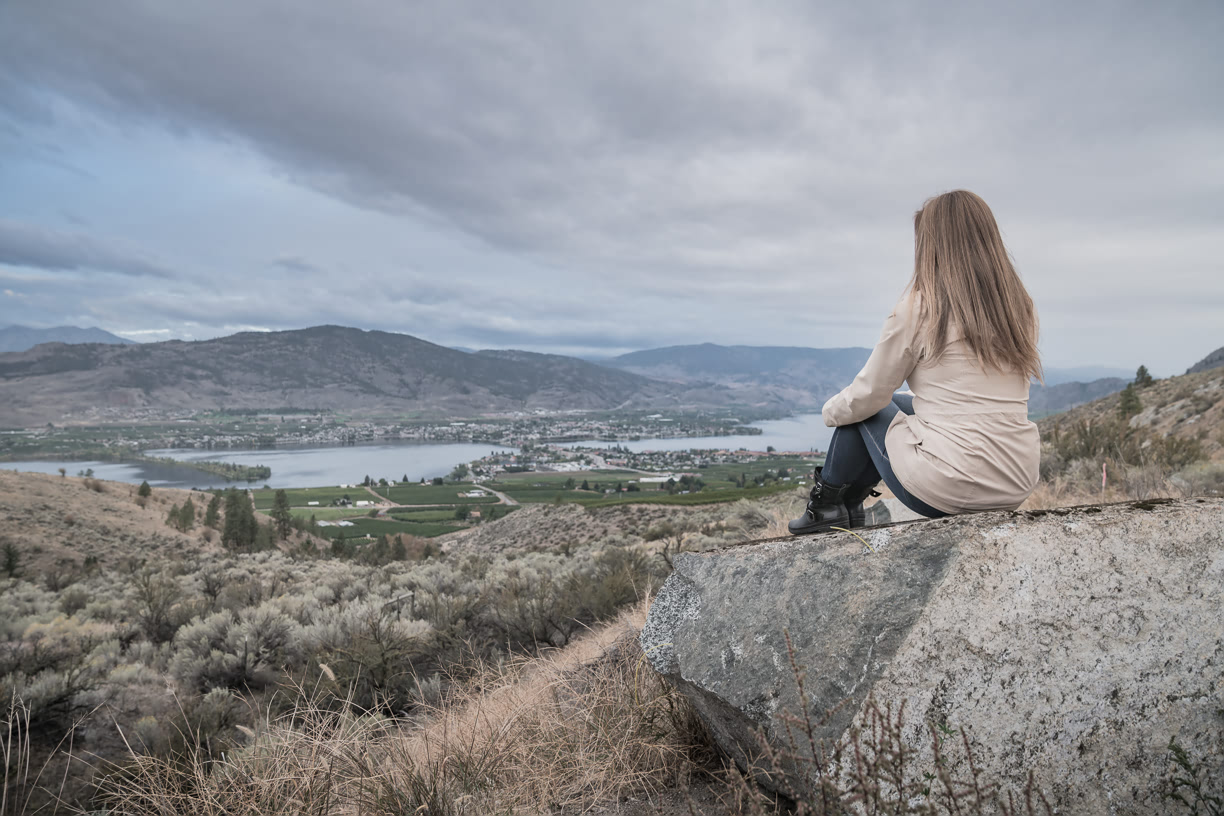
(317, 465)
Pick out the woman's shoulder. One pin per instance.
(908, 308)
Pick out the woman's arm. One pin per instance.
(890, 364)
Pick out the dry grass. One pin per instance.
(775, 527)
(569, 730)
(1134, 483)
(28, 788)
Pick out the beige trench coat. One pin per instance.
(969, 444)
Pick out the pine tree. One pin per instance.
(585, 486)
(213, 513)
(238, 532)
(172, 518)
(1129, 404)
(1142, 378)
(187, 515)
(261, 536)
(281, 514)
(253, 526)
(144, 491)
(12, 559)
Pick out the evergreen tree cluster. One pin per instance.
(242, 531)
(182, 518)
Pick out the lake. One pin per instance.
(346, 464)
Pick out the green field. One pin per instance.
(441, 514)
(328, 513)
(299, 496)
(378, 527)
(432, 494)
(720, 484)
(712, 474)
(541, 488)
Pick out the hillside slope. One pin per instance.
(1213, 360)
(1188, 406)
(59, 523)
(322, 368)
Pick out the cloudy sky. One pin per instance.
(594, 178)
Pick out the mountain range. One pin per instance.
(22, 338)
(799, 377)
(375, 372)
(325, 368)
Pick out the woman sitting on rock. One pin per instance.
(964, 336)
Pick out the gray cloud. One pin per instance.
(736, 158)
(60, 250)
(631, 135)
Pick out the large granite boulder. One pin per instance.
(1070, 643)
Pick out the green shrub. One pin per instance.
(245, 651)
(374, 657)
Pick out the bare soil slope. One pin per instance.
(59, 522)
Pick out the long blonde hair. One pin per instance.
(964, 276)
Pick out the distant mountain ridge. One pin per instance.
(375, 372)
(801, 378)
(1050, 399)
(324, 368)
(1213, 360)
(1085, 374)
(805, 377)
(23, 338)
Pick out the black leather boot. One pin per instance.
(854, 499)
(826, 509)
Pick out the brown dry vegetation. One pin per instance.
(61, 522)
(152, 646)
(1188, 407)
(1173, 446)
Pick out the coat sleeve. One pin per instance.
(890, 363)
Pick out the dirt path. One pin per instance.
(382, 500)
(502, 497)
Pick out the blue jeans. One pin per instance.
(857, 456)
